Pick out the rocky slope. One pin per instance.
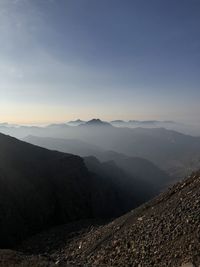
(162, 232)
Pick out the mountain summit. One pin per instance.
(76, 122)
(97, 122)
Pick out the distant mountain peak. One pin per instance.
(76, 121)
(118, 121)
(57, 125)
(97, 122)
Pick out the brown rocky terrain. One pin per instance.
(162, 232)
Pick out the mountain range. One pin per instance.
(40, 188)
(74, 179)
(176, 153)
(142, 169)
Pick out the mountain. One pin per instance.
(147, 123)
(119, 123)
(162, 232)
(185, 128)
(72, 146)
(96, 123)
(76, 122)
(135, 189)
(176, 153)
(40, 188)
(57, 125)
(144, 169)
(137, 168)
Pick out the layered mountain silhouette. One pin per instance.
(73, 146)
(96, 123)
(176, 153)
(76, 122)
(40, 188)
(139, 169)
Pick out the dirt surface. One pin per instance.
(162, 232)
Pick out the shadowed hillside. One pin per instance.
(163, 232)
(40, 188)
(176, 153)
(141, 170)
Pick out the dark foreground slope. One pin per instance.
(41, 188)
(163, 232)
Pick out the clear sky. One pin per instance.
(113, 59)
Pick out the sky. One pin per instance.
(112, 59)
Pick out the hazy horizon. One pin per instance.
(130, 60)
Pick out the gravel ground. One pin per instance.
(162, 232)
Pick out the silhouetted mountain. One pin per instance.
(57, 126)
(144, 169)
(76, 122)
(168, 124)
(135, 189)
(40, 188)
(72, 146)
(119, 123)
(176, 153)
(139, 168)
(96, 123)
(4, 124)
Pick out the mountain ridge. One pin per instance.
(40, 188)
(162, 232)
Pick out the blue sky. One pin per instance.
(113, 59)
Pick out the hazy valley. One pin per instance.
(91, 173)
(99, 133)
